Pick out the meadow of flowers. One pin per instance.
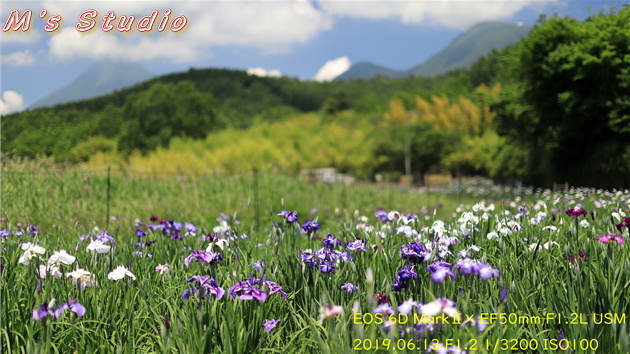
(191, 266)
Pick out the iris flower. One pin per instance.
(259, 265)
(329, 311)
(310, 226)
(581, 258)
(44, 310)
(381, 215)
(162, 268)
(407, 306)
(439, 272)
(349, 287)
(52, 269)
(203, 256)
(119, 273)
(270, 324)
(72, 306)
(99, 246)
(440, 306)
(82, 277)
(576, 211)
(206, 287)
(611, 238)
(250, 289)
(30, 251)
(356, 245)
(289, 216)
(327, 267)
(486, 272)
(414, 252)
(191, 229)
(625, 222)
(61, 257)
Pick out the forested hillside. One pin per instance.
(555, 107)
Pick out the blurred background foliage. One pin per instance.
(554, 107)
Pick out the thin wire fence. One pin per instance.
(255, 195)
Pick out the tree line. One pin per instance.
(554, 107)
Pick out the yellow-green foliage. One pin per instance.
(93, 145)
(302, 142)
(464, 116)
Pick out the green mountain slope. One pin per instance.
(470, 46)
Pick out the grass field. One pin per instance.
(500, 262)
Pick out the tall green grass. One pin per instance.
(149, 315)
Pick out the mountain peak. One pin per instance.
(464, 50)
(100, 78)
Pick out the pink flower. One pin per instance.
(610, 238)
(576, 211)
(162, 268)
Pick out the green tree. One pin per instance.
(164, 111)
(572, 99)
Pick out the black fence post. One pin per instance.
(256, 201)
(109, 185)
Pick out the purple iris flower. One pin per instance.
(381, 215)
(310, 226)
(356, 245)
(407, 273)
(154, 227)
(624, 223)
(347, 257)
(72, 306)
(176, 236)
(191, 230)
(331, 241)
(177, 226)
(105, 237)
(250, 289)
(327, 267)
(349, 287)
(411, 216)
(259, 265)
(270, 324)
(140, 233)
(467, 266)
(203, 256)
(307, 259)
(44, 310)
(439, 273)
(289, 216)
(414, 252)
(486, 272)
(205, 287)
(247, 291)
(399, 285)
(275, 288)
(4, 233)
(576, 211)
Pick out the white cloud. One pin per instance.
(21, 58)
(272, 27)
(69, 45)
(458, 14)
(20, 37)
(332, 69)
(11, 102)
(263, 72)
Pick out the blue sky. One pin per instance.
(304, 39)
